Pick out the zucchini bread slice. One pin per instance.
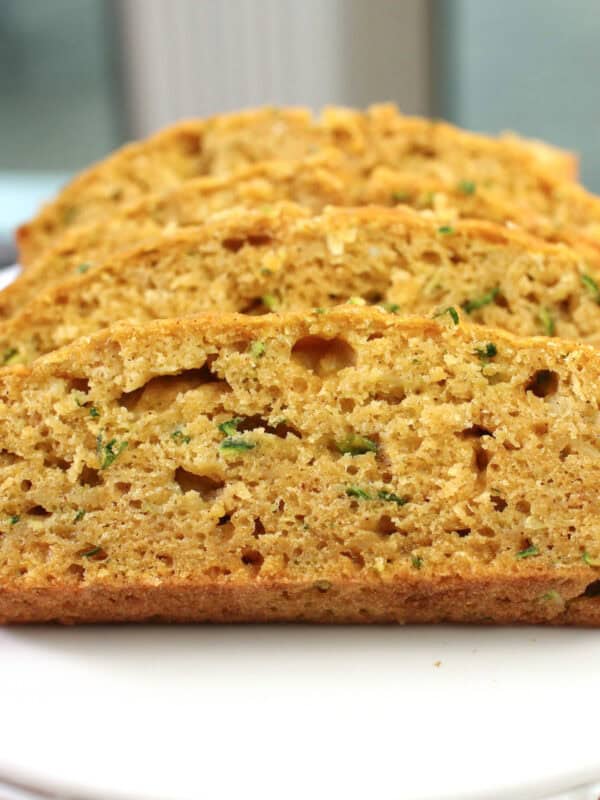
(380, 135)
(314, 183)
(566, 214)
(284, 260)
(345, 466)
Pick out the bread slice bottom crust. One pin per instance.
(485, 602)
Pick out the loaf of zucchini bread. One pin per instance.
(341, 465)
(285, 259)
(314, 183)
(380, 135)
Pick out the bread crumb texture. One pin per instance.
(378, 136)
(314, 183)
(335, 465)
(284, 259)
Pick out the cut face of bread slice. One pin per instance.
(344, 466)
(563, 213)
(314, 183)
(381, 135)
(288, 260)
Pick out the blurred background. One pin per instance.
(79, 77)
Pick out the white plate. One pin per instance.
(7, 275)
(300, 712)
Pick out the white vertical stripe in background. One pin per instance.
(199, 57)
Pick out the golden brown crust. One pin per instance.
(581, 611)
(488, 602)
(381, 135)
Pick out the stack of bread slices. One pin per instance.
(268, 367)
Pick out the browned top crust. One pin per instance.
(378, 136)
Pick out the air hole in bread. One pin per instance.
(159, 393)
(510, 446)
(281, 429)
(7, 459)
(90, 477)
(123, 487)
(76, 571)
(481, 457)
(475, 431)
(565, 453)
(52, 460)
(385, 525)
(26, 486)
(323, 356)
(592, 590)
(259, 240)
(92, 552)
(39, 511)
(526, 545)
(431, 257)
(567, 305)
(252, 558)
(259, 528)
(208, 488)
(523, 507)
(255, 307)
(498, 502)
(373, 297)
(79, 385)
(233, 245)
(543, 383)
(501, 301)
